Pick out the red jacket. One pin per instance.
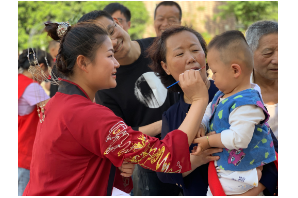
(27, 125)
(79, 141)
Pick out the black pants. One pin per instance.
(150, 185)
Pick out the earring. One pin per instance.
(38, 111)
(42, 113)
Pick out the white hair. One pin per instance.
(258, 29)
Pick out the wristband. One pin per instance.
(208, 141)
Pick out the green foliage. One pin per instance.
(33, 14)
(248, 12)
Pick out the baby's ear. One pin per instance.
(236, 70)
(165, 67)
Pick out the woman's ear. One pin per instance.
(165, 67)
(82, 63)
(43, 67)
(236, 70)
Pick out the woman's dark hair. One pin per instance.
(40, 55)
(82, 39)
(158, 50)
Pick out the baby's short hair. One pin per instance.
(232, 46)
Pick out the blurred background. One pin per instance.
(207, 17)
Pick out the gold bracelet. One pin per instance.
(208, 141)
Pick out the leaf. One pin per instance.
(32, 15)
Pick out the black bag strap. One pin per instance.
(111, 180)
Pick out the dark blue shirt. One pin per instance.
(196, 183)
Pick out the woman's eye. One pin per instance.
(179, 54)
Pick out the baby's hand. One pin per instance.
(203, 144)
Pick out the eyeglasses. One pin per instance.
(113, 31)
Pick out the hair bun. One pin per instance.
(56, 30)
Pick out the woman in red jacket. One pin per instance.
(30, 93)
(79, 144)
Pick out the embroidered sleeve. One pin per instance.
(167, 155)
(102, 133)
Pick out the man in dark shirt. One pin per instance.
(122, 13)
(139, 97)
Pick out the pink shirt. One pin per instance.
(32, 95)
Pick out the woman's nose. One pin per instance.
(191, 59)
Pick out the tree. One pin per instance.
(33, 14)
(248, 12)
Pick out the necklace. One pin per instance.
(37, 73)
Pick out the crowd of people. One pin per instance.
(117, 122)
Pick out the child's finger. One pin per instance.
(198, 150)
(194, 149)
(211, 133)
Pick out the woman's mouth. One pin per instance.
(114, 74)
(195, 68)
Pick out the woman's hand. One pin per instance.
(206, 156)
(126, 169)
(202, 143)
(193, 86)
(203, 158)
(201, 132)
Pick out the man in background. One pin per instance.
(122, 13)
(166, 13)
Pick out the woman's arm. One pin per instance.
(152, 129)
(196, 91)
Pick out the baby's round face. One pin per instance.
(184, 52)
(222, 74)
